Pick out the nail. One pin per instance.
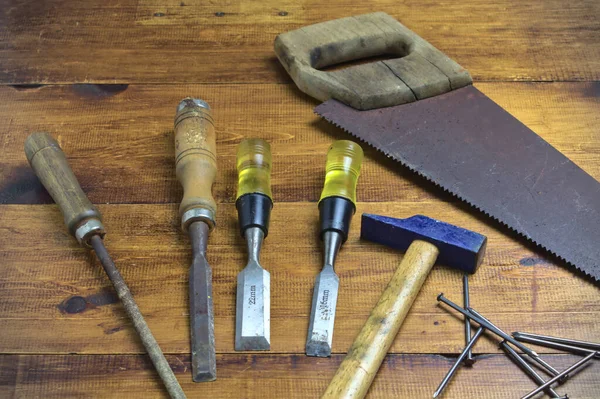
(554, 345)
(566, 341)
(469, 359)
(535, 358)
(487, 324)
(457, 363)
(527, 368)
(551, 381)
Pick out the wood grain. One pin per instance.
(184, 41)
(63, 332)
(273, 376)
(120, 144)
(55, 294)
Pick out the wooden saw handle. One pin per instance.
(52, 168)
(420, 71)
(196, 162)
(354, 376)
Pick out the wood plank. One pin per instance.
(55, 295)
(274, 376)
(184, 41)
(120, 143)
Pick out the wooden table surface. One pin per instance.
(104, 77)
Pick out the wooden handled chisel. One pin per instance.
(196, 168)
(336, 207)
(84, 222)
(254, 203)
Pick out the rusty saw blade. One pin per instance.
(468, 145)
(421, 110)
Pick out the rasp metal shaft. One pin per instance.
(154, 351)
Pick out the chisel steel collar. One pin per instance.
(197, 215)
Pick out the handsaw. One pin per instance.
(421, 110)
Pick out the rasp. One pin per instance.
(421, 110)
(84, 221)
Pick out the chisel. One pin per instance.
(84, 222)
(254, 203)
(336, 207)
(196, 168)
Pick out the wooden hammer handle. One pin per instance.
(354, 376)
(50, 165)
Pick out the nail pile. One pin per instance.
(588, 349)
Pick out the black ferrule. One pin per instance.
(254, 210)
(335, 214)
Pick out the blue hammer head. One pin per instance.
(459, 248)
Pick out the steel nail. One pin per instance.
(469, 359)
(535, 357)
(487, 324)
(566, 341)
(457, 363)
(527, 368)
(554, 345)
(551, 381)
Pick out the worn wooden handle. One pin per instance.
(420, 71)
(196, 162)
(354, 376)
(50, 165)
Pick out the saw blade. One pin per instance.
(471, 147)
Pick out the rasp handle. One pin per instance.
(420, 71)
(50, 165)
(196, 162)
(358, 369)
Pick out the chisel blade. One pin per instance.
(322, 313)
(253, 315)
(204, 363)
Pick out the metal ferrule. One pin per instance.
(332, 241)
(197, 215)
(254, 240)
(88, 229)
(193, 107)
(191, 102)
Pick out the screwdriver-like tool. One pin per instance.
(336, 207)
(84, 222)
(254, 203)
(196, 169)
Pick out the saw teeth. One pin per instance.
(388, 155)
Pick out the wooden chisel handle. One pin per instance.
(196, 163)
(50, 165)
(354, 376)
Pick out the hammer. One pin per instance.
(427, 240)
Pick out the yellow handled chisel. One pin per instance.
(336, 207)
(254, 203)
